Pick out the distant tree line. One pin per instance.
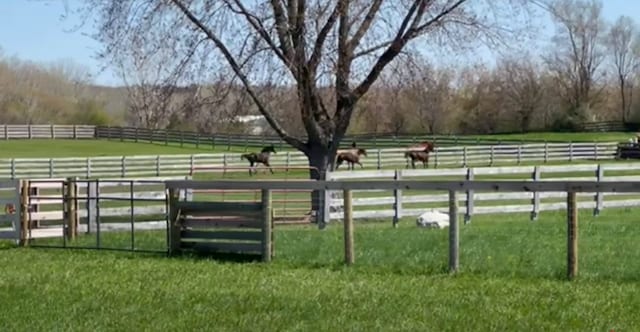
(589, 73)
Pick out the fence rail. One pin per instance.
(164, 136)
(47, 131)
(165, 165)
(396, 205)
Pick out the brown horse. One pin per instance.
(259, 158)
(351, 156)
(419, 152)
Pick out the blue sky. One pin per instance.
(33, 30)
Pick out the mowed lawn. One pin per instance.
(43, 148)
(512, 278)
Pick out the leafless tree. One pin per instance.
(430, 91)
(623, 41)
(523, 89)
(310, 45)
(578, 54)
(480, 101)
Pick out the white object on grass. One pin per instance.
(433, 219)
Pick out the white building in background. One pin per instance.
(256, 124)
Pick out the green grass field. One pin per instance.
(512, 275)
(512, 278)
(42, 148)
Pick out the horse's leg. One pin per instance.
(267, 164)
(413, 163)
(250, 167)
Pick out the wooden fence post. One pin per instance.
(288, 161)
(174, 223)
(536, 195)
(435, 158)
(570, 151)
(470, 194)
(348, 228)
(267, 231)
(123, 166)
(24, 215)
(397, 205)
(491, 156)
(464, 156)
(572, 236)
(599, 195)
(92, 205)
(546, 152)
(519, 157)
(454, 234)
(379, 159)
(71, 208)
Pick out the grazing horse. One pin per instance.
(419, 152)
(259, 158)
(351, 156)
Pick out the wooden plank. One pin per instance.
(221, 235)
(216, 222)
(218, 208)
(228, 247)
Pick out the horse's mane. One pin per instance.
(268, 149)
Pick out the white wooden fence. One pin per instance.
(168, 165)
(47, 131)
(376, 204)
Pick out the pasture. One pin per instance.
(512, 275)
(511, 278)
(46, 148)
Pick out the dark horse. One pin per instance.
(259, 158)
(351, 156)
(419, 152)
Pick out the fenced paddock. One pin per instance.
(285, 161)
(384, 204)
(569, 188)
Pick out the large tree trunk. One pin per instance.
(320, 162)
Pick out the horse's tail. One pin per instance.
(407, 154)
(245, 156)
